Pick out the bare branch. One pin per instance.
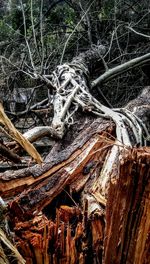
(41, 33)
(112, 73)
(138, 33)
(33, 29)
(25, 36)
(74, 31)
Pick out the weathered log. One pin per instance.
(26, 177)
(93, 166)
(81, 166)
(60, 168)
(132, 177)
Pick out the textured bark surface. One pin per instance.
(127, 225)
(116, 231)
(60, 155)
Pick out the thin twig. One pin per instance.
(33, 30)
(138, 33)
(67, 41)
(41, 33)
(25, 36)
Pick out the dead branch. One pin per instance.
(6, 153)
(112, 73)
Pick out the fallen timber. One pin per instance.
(93, 226)
(89, 201)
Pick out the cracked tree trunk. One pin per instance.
(88, 225)
(89, 201)
(110, 215)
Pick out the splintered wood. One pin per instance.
(117, 233)
(89, 203)
(65, 240)
(12, 132)
(55, 180)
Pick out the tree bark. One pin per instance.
(114, 229)
(88, 202)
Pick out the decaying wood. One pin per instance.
(109, 216)
(127, 222)
(6, 242)
(58, 162)
(104, 224)
(121, 226)
(101, 173)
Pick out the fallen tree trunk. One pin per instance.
(107, 216)
(12, 182)
(88, 202)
